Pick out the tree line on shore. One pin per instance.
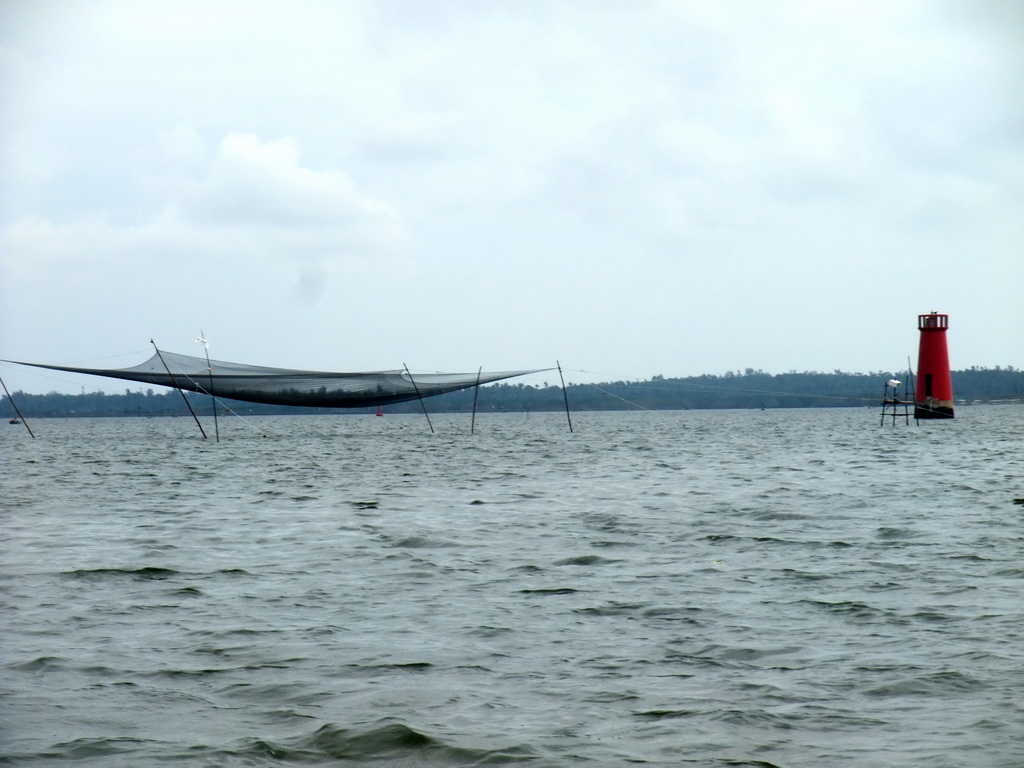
(739, 389)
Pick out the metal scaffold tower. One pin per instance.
(893, 405)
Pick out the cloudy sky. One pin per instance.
(632, 188)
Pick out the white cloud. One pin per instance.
(253, 197)
(263, 185)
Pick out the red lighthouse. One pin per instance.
(934, 396)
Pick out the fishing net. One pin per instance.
(284, 386)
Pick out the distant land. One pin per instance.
(740, 389)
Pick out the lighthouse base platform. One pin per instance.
(923, 411)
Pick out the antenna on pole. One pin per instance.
(17, 410)
(418, 395)
(206, 348)
(175, 384)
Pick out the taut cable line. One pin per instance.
(680, 384)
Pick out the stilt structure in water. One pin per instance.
(934, 396)
(893, 405)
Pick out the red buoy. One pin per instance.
(934, 396)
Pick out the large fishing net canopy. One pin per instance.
(285, 386)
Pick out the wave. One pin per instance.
(392, 743)
(145, 573)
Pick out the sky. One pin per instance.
(629, 189)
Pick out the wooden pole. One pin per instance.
(175, 383)
(418, 395)
(911, 389)
(17, 410)
(476, 391)
(565, 395)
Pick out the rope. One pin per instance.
(202, 390)
(738, 390)
(109, 357)
(610, 394)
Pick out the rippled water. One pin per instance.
(719, 588)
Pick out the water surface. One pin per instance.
(792, 588)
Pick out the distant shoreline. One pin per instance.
(741, 390)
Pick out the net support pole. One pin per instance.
(476, 391)
(911, 388)
(423, 405)
(175, 383)
(565, 395)
(17, 410)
